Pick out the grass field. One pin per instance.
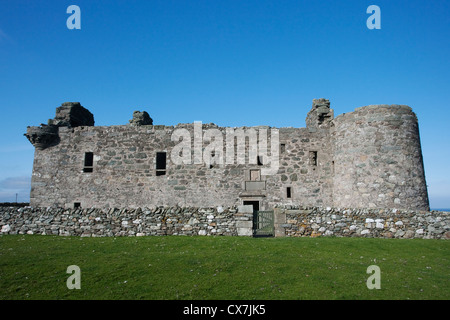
(213, 268)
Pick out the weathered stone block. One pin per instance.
(245, 209)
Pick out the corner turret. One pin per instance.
(72, 114)
(69, 114)
(42, 137)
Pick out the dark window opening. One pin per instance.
(213, 154)
(289, 192)
(160, 163)
(260, 160)
(88, 162)
(282, 148)
(313, 158)
(77, 204)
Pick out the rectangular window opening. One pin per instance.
(260, 160)
(313, 158)
(77, 204)
(160, 163)
(289, 192)
(282, 148)
(212, 160)
(88, 162)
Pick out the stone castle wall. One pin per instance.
(369, 158)
(378, 159)
(124, 170)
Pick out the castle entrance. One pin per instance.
(253, 203)
(263, 225)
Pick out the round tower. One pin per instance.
(378, 159)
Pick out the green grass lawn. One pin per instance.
(196, 268)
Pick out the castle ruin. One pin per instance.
(368, 158)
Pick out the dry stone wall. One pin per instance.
(369, 223)
(124, 222)
(290, 221)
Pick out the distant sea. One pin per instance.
(440, 209)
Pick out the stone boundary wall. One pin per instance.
(290, 221)
(370, 223)
(125, 222)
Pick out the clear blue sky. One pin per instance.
(229, 62)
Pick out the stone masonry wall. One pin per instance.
(369, 223)
(369, 158)
(124, 170)
(124, 222)
(290, 221)
(378, 159)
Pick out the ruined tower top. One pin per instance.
(72, 114)
(320, 114)
(141, 118)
